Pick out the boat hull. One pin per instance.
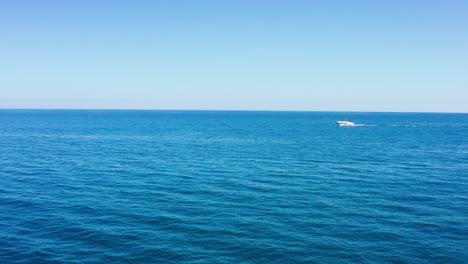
(345, 123)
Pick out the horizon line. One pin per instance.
(228, 110)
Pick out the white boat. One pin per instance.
(345, 123)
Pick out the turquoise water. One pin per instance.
(232, 187)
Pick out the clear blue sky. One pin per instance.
(398, 55)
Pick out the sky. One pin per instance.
(396, 56)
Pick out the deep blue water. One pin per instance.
(232, 187)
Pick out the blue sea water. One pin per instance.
(82, 186)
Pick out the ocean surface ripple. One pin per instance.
(82, 186)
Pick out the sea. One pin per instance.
(111, 186)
